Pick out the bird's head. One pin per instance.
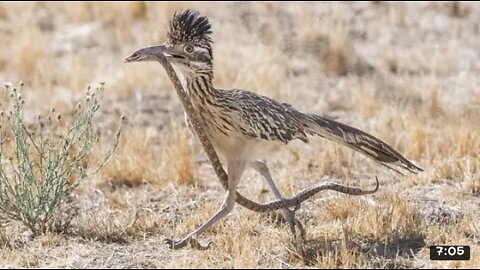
(188, 45)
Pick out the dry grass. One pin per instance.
(27, 59)
(178, 160)
(420, 95)
(113, 227)
(338, 58)
(135, 162)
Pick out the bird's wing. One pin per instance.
(264, 118)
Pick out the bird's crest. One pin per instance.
(188, 26)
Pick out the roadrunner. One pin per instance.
(245, 127)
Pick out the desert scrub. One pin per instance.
(43, 163)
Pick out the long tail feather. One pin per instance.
(356, 140)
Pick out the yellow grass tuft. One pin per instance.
(435, 104)
(134, 163)
(418, 138)
(392, 217)
(472, 176)
(391, 61)
(178, 162)
(332, 159)
(339, 56)
(340, 256)
(364, 95)
(115, 226)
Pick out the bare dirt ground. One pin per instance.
(407, 73)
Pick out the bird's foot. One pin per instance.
(296, 227)
(194, 243)
(297, 230)
(299, 238)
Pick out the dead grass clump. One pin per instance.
(332, 159)
(343, 208)
(238, 242)
(3, 61)
(115, 226)
(419, 139)
(391, 61)
(460, 159)
(449, 168)
(339, 56)
(460, 233)
(334, 255)
(399, 220)
(457, 9)
(435, 105)
(135, 162)
(473, 186)
(366, 102)
(380, 233)
(103, 227)
(49, 239)
(472, 176)
(138, 9)
(328, 40)
(391, 218)
(3, 13)
(178, 160)
(4, 237)
(466, 139)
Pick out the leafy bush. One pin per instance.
(42, 164)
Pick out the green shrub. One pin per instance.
(45, 162)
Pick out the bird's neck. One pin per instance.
(200, 87)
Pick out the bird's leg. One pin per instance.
(235, 171)
(289, 215)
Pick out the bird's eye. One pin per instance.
(189, 49)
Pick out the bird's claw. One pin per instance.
(300, 228)
(175, 244)
(299, 237)
(194, 243)
(295, 223)
(297, 229)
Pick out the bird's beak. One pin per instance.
(147, 54)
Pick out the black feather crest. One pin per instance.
(189, 26)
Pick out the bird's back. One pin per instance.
(255, 118)
(261, 117)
